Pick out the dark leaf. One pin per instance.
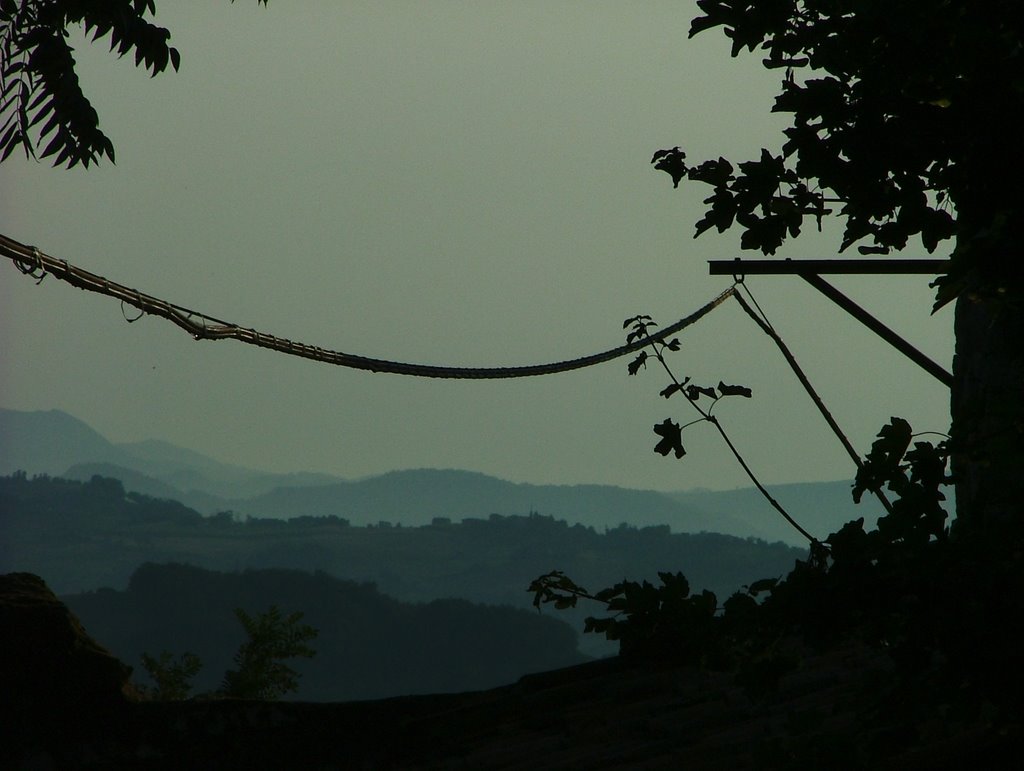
(717, 173)
(733, 390)
(639, 361)
(607, 594)
(694, 392)
(8, 148)
(43, 113)
(659, 154)
(671, 389)
(9, 135)
(671, 438)
(672, 162)
(639, 332)
(675, 583)
(721, 213)
(58, 141)
(883, 463)
(771, 64)
(11, 86)
(764, 585)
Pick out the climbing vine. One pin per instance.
(671, 432)
(935, 600)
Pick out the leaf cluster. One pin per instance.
(941, 609)
(648, 621)
(41, 99)
(172, 677)
(670, 431)
(273, 639)
(639, 331)
(886, 587)
(915, 475)
(926, 154)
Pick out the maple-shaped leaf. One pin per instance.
(673, 344)
(639, 361)
(671, 438)
(672, 162)
(734, 390)
(883, 463)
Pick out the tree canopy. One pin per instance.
(900, 126)
(41, 99)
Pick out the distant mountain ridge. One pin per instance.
(55, 443)
(86, 535)
(52, 442)
(417, 496)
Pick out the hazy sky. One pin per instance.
(462, 183)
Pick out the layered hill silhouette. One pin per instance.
(369, 645)
(56, 443)
(76, 709)
(90, 535)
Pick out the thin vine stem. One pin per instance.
(708, 417)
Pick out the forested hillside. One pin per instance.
(369, 645)
(82, 536)
(59, 444)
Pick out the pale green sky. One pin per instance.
(463, 183)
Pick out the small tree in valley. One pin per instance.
(261, 669)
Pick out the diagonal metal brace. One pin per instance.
(880, 329)
(809, 271)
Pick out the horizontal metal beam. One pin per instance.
(863, 266)
(809, 271)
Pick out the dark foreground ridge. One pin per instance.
(72, 706)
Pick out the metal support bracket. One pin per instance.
(809, 271)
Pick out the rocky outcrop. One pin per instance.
(59, 685)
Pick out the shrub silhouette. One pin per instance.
(261, 673)
(172, 678)
(273, 638)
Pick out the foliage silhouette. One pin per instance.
(837, 565)
(927, 155)
(926, 599)
(671, 432)
(40, 96)
(172, 677)
(261, 673)
(273, 639)
(370, 646)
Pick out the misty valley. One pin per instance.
(435, 608)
